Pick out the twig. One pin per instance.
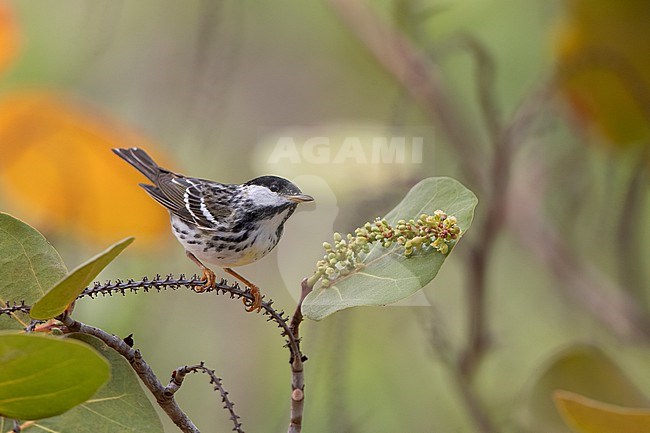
(440, 343)
(177, 381)
(11, 309)
(142, 369)
(413, 70)
(504, 141)
(477, 334)
(17, 427)
(629, 220)
(582, 283)
(484, 78)
(297, 370)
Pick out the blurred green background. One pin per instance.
(209, 86)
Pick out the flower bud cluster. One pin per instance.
(438, 231)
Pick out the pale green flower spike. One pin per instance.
(437, 231)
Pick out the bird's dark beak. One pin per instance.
(299, 198)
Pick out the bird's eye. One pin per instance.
(274, 187)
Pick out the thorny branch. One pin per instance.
(159, 283)
(142, 369)
(165, 395)
(176, 382)
(19, 307)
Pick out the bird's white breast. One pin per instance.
(260, 240)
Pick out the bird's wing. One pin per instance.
(208, 203)
(175, 193)
(196, 201)
(169, 194)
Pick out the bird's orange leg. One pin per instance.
(256, 304)
(208, 275)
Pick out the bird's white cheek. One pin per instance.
(263, 197)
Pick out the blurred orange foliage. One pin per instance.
(604, 66)
(58, 173)
(9, 39)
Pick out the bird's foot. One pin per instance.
(209, 276)
(210, 281)
(256, 303)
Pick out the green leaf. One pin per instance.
(43, 376)
(56, 300)
(592, 416)
(387, 276)
(121, 406)
(29, 265)
(584, 369)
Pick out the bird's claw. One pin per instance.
(210, 281)
(256, 303)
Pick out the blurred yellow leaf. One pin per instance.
(581, 368)
(9, 39)
(604, 67)
(592, 416)
(58, 172)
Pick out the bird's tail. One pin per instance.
(139, 159)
